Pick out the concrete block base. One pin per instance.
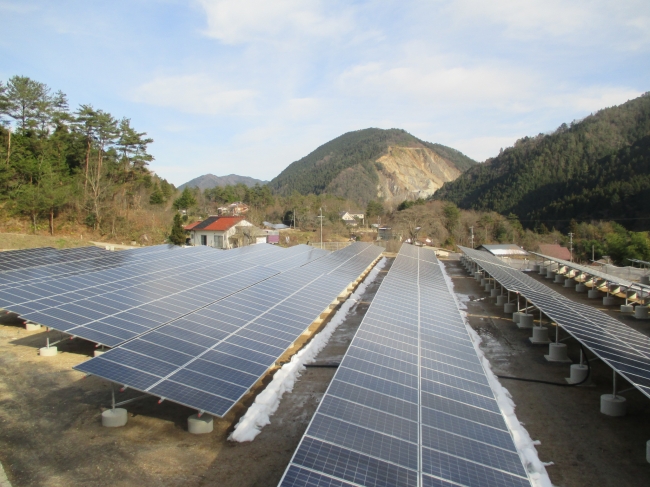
(559, 279)
(647, 451)
(593, 294)
(114, 418)
(494, 293)
(641, 312)
(577, 374)
(549, 274)
(489, 287)
(509, 308)
(569, 282)
(645, 279)
(501, 300)
(536, 267)
(542, 270)
(32, 327)
(627, 308)
(525, 321)
(200, 426)
(540, 336)
(613, 405)
(609, 301)
(581, 288)
(48, 351)
(516, 316)
(557, 352)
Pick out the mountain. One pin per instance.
(209, 181)
(373, 163)
(597, 168)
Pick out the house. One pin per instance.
(555, 250)
(222, 232)
(503, 250)
(233, 209)
(350, 218)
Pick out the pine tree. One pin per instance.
(177, 236)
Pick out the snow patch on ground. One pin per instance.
(523, 442)
(266, 403)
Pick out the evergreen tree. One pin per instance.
(185, 201)
(177, 236)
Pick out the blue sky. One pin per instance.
(249, 86)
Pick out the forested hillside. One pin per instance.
(68, 168)
(209, 181)
(598, 168)
(347, 167)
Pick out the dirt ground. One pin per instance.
(51, 433)
(586, 447)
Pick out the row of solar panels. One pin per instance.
(410, 404)
(210, 358)
(197, 326)
(596, 273)
(621, 347)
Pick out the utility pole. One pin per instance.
(571, 245)
(472, 236)
(321, 227)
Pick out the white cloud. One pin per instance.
(197, 94)
(238, 21)
(591, 98)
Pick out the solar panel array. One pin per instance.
(136, 292)
(624, 349)
(23, 259)
(593, 272)
(410, 404)
(210, 358)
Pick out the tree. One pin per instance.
(132, 146)
(452, 217)
(185, 201)
(177, 236)
(157, 197)
(374, 208)
(25, 101)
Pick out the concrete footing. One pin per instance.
(32, 326)
(549, 273)
(114, 418)
(484, 281)
(581, 288)
(593, 294)
(199, 426)
(647, 451)
(641, 312)
(48, 351)
(627, 308)
(509, 308)
(478, 276)
(557, 352)
(570, 282)
(559, 279)
(501, 300)
(577, 374)
(645, 279)
(99, 352)
(489, 287)
(542, 270)
(525, 321)
(613, 405)
(609, 301)
(494, 293)
(535, 267)
(516, 316)
(540, 336)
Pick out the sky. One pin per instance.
(249, 86)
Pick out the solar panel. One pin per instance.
(624, 349)
(210, 358)
(118, 303)
(410, 404)
(47, 256)
(593, 272)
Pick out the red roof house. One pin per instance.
(555, 250)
